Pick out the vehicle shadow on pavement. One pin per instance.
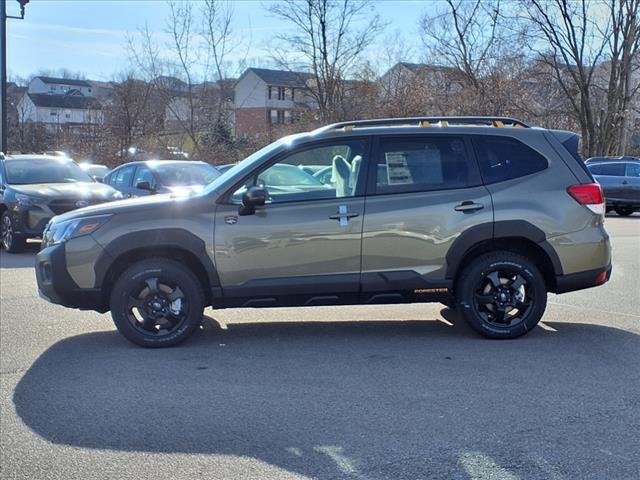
(26, 259)
(367, 399)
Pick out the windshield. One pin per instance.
(183, 174)
(37, 170)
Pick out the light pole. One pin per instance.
(3, 68)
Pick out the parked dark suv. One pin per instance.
(486, 215)
(34, 188)
(620, 180)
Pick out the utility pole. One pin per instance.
(3, 75)
(3, 68)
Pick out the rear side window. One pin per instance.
(503, 158)
(608, 169)
(633, 170)
(422, 164)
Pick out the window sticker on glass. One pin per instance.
(398, 172)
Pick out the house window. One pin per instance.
(277, 116)
(293, 94)
(269, 92)
(53, 113)
(281, 93)
(89, 90)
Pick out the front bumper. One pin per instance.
(582, 280)
(56, 285)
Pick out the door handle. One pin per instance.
(624, 182)
(468, 206)
(343, 215)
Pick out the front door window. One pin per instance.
(321, 172)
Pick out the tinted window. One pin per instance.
(422, 164)
(27, 171)
(122, 177)
(290, 179)
(633, 170)
(143, 174)
(503, 158)
(608, 169)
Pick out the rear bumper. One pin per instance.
(56, 285)
(582, 280)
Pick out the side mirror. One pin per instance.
(98, 179)
(145, 186)
(252, 198)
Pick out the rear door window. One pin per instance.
(422, 164)
(503, 158)
(610, 169)
(633, 170)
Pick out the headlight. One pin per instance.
(62, 231)
(27, 200)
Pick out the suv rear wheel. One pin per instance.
(9, 240)
(624, 211)
(501, 295)
(157, 303)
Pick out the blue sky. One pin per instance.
(88, 36)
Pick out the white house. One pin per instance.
(55, 111)
(60, 86)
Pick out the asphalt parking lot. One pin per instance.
(402, 392)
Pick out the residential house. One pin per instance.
(56, 111)
(266, 98)
(60, 86)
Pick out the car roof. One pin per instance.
(147, 162)
(610, 161)
(611, 158)
(36, 157)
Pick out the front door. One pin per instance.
(424, 192)
(304, 246)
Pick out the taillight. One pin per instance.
(589, 195)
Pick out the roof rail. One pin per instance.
(425, 122)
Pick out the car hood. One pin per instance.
(180, 202)
(79, 190)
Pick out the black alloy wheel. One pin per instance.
(157, 302)
(501, 294)
(158, 307)
(503, 298)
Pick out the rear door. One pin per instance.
(423, 192)
(611, 177)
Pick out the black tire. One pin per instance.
(11, 242)
(166, 324)
(501, 295)
(624, 211)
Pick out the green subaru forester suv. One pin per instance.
(483, 214)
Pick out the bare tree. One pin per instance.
(577, 40)
(328, 39)
(189, 71)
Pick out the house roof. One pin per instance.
(64, 101)
(283, 78)
(65, 81)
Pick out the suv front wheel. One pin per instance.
(501, 295)
(157, 303)
(9, 240)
